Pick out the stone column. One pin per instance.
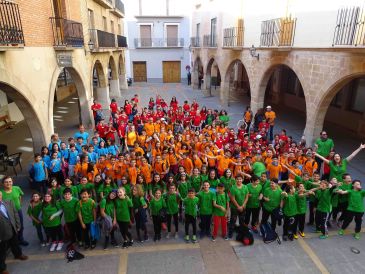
(224, 93)
(102, 95)
(314, 123)
(114, 88)
(195, 79)
(276, 86)
(123, 81)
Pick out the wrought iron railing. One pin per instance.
(158, 42)
(119, 5)
(350, 29)
(278, 32)
(122, 41)
(67, 33)
(102, 39)
(210, 41)
(195, 42)
(11, 30)
(233, 37)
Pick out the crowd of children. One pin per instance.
(181, 163)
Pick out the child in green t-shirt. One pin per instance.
(289, 206)
(34, 210)
(157, 204)
(54, 190)
(51, 221)
(69, 206)
(205, 209)
(107, 212)
(220, 211)
(301, 197)
(139, 207)
(123, 206)
(68, 184)
(191, 211)
(355, 208)
(172, 199)
(253, 204)
(87, 214)
(84, 184)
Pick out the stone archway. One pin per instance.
(212, 76)
(122, 74)
(99, 84)
(113, 78)
(237, 83)
(29, 113)
(198, 69)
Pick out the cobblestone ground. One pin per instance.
(308, 255)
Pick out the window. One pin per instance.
(337, 100)
(112, 26)
(146, 35)
(198, 30)
(91, 19)
(357, 102)
(171, 32)
(213, 32)
(120, 29)
(105, 27)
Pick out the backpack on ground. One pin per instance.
(244, 235)
(268, 234)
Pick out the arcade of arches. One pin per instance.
(320, 87)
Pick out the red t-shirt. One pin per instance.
(122, 130)
(114, 107)
(128, 109)
(186, 107)
(197, 120)
(95, 108)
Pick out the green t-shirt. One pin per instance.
(356, 200)
(161, 186)
(69, 209)
(308, 184)
(196, 183)
(239, 194)
(47, 211)
(337, 171)
(213, 182)
(86, 209)
(222, 200)
(204, 177)
(138, 202)
(228, 183)
(88, 186)
(344, 198)
(183, 188)
(156, 206)
(74, 191)
(265, 184)
(108, 206)
(107, 189)
(253, 200)
(290, 205)
(122, 209)
(14, 195)
(324, 200)
(205, 202)
(258, 168)
(172, 202)
(191, 206)
(34, 210)
(128, 190)
(274, 196)
(55, 193)
(324, 147)
(302, 203)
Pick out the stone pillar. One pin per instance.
(195, 79)
(114, 88)
(256, 103)
(123, 81)
(314, 123)
(276, 86)
(102, 95)
(224, 94)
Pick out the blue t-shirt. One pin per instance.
(93, 157)
(78, 148)
(65, 153)
(72, 160)
(39, 173)
(57, 165)
(84, 136)
(102, 151)
(113, 150)
(47, 160)
(51, 144)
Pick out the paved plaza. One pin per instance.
(305, 255)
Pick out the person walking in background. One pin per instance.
(270, 118)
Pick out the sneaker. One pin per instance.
(213, 239)
(130, 243)
(302, 234)
(81, 244)
(176, 235)
(226, 238)
(295, 236)
(93, 245)
(125, 245)
(194, 239)
(285, 238)
(43, 244)
(322, 237)
(53, 247)
(340, 232)
(357, 236)
(168, 235)
(254, 229)
(187, 238)
(59, 246)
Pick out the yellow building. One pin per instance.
(52, 49)
(301, 56)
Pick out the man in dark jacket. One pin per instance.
(9, 226)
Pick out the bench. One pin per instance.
(6, 123)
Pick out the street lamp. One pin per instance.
(91, 45)
(253, 52)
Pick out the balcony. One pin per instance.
(159, 42)
(195, 42)
(349, 30)
(108, 4)
(122, 41)
(11, 30)
(233, 37)
(278, 32)
(209, 41)
(66, 33)
(118, 9)
(102, 39)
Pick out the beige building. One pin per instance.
(50, 50)
(302, 55)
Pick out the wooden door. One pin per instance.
(171, 71)
(139, 72)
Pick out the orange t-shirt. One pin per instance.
(150, 128)
(187, 164)
(146, 171)
(274, 171)
(132, 174)
(223, 163)
(81, 168)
